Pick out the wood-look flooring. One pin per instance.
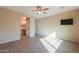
(34, 45)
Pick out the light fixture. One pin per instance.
(40, 10)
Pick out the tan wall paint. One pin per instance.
(48, 25)
(9, 25)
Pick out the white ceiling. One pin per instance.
(52, 10)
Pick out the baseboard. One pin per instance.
(9, 41)
(72, 40)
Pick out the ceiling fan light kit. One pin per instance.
(40, 10)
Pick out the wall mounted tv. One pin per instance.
(67, 21)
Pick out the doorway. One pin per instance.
(25, 26)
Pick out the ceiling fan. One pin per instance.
(40, 10)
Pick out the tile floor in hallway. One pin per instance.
(35, 45)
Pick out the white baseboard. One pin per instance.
(9, 41)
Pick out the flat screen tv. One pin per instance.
(67, 21)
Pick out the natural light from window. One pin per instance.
(51, 42)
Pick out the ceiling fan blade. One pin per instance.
(46, 9)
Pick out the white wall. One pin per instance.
(32, 27)
(9, 25)
(51, 24)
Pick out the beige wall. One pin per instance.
(51, 24)
(9, 25)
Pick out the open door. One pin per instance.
(25, 26)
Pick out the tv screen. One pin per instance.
(67, 21)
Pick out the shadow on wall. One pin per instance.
(51, 42)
